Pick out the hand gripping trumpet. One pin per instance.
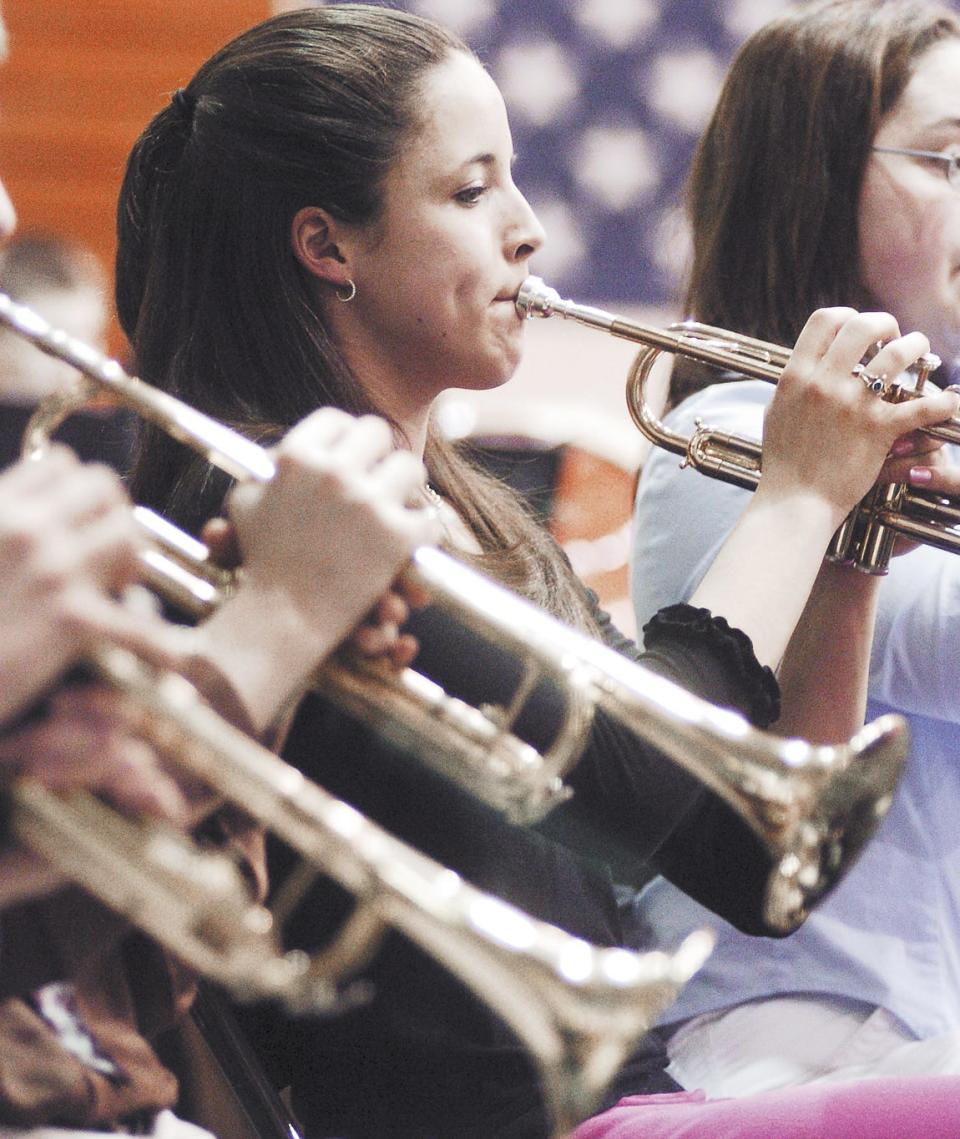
(813, 807)
(866, 538)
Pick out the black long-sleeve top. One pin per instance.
(424, 1058)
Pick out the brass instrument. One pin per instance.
(193, 901)
(813, 807)
(476, 749)
(578, 1008)
(866, 538)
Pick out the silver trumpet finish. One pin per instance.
(814, 807)
(866, 538)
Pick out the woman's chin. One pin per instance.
(489, 378)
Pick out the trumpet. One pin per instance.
(578, 1008)
(813, 807)
(866, 538)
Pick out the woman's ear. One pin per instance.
(313, 238)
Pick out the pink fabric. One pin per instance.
(917, 1107)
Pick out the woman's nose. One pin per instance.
(526, 234)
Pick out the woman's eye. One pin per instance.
(471, 195)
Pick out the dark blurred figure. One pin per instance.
(65, 283)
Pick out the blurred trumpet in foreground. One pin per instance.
(866, 538)
(578, 1008)
(813, 807)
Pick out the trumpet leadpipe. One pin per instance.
(698, 342)
(865, 540)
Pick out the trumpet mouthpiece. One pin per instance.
(537, 299)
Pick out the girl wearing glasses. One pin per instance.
(847, 191)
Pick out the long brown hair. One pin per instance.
(308, 108)
(775, 185)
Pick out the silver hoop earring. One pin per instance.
(347, 292)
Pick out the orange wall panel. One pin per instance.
(81, 82)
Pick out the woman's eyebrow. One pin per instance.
(488, 159)
(480, 160)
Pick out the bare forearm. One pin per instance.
(763, 575)
(825, 669)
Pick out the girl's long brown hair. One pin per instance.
(775, 185)
(308, 108)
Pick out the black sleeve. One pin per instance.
(641, 812)
(634, 811)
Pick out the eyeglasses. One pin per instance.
(951, 161)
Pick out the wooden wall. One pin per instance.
(82, 80)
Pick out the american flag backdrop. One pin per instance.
(607, 99)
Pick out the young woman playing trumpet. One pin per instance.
(325, 215)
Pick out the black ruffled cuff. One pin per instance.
(760, 693)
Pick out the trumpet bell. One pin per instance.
(847, 803)
(578, 1008)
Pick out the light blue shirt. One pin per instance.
(889, 935)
